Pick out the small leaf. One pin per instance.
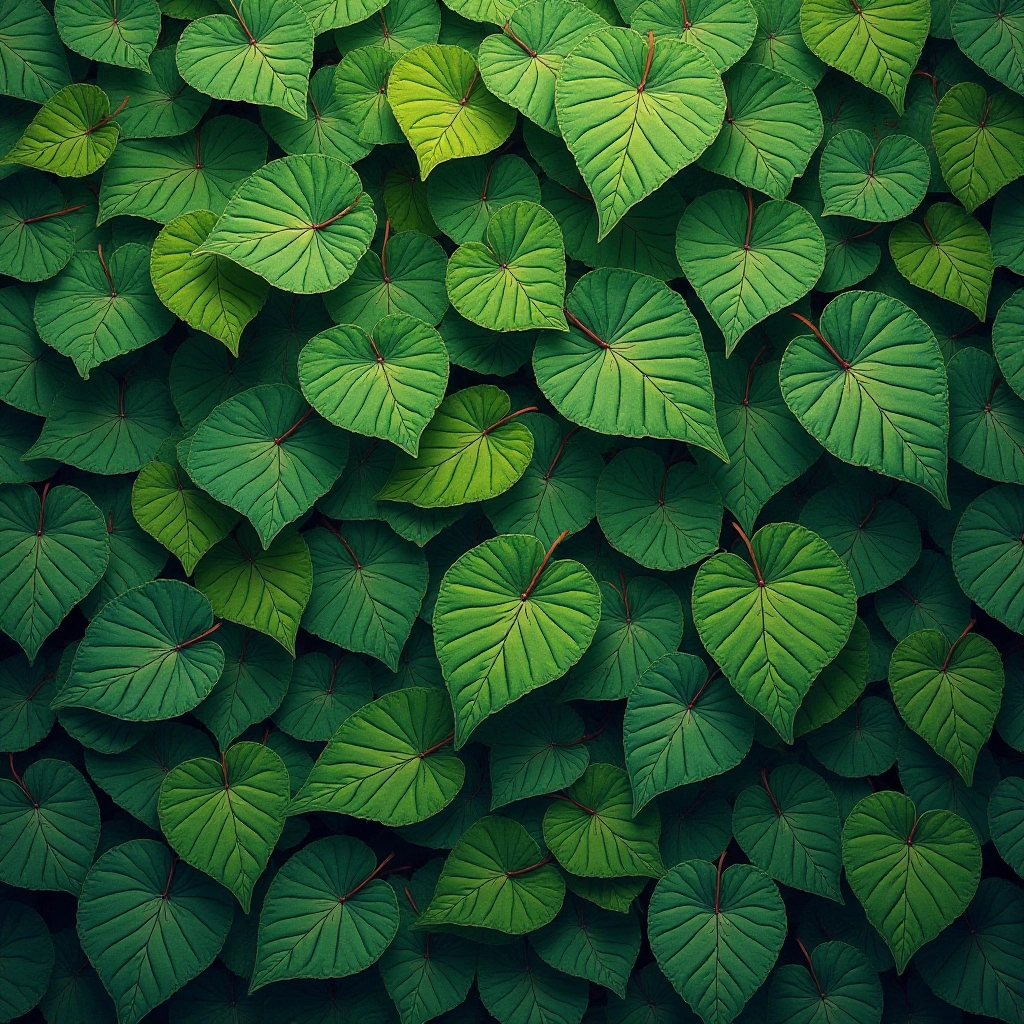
(123, 33)
(1006, 821)
(26, 957)
(723, 30)
(322, 694)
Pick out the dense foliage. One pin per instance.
(512, 511)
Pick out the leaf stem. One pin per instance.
(771, 795)
(647, 67)
(106, 270)
(224, 770)
(107, 118)
(750, 220)
(821, 337)
(703, 686)
(718, 882)
(368, 879)
(750, 551)
(295, 426)
(42, 509)
(472, 82)
(531, 867)
(330, 220)
(558, 454)
(348, 547)
(956, 643)
(543, 565)
(241, 21)
(686, 16)
(438, 746)
(507, 28)
(586, 330)
(810, 966)
(384, 263)
(21, 784)
(56, 213)
(170, 878)
(196, 639)
(505, 419)
(750, 375)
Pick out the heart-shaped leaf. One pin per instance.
(360, 94)
(722, 30)
(989, 33)
(635, 339)
(660, 107)
(326, 914)
(731, 924)
(145, 656)
(516, 279)
(912, 874)
(267, 455)
(53, 551)
(863, 740)
(443, 108)
(682, 725)
(386, 383)
(773, 624)
(322, 694)
(747, 262)
(870, 385)
(779, 45)
(262, 53)
(307, 243)
(35, 66)
(927, 598)
(876, 181)
(37, 238)
(123, 33)
(508, 620)
(513, 980)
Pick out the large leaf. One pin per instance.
(632, 362)
(266, 454)
(747, 262)
(262, 52)
(869, 383)
(508, 620)
(225, 817)
(913, 875)
(53, 551)
(877, 42)
(683, 724)
(775, 622)
(146, 656)
(472, 449)
(301, 222)
(633, 112)
(122, 32)
(990, 32)
(722, 30)
(496, 877)
(716, 934)
(49, 827)
(34, 66)
(443, 108)
(325, 915)
(515, 279)
(386, 383)
(516, 986)
(388, 762)
(149, 924)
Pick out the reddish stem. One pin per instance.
(750, 551)
(224, 769)
(330, 220)
(768, 790)
(718, 882)
(42, 509)
(686, 16)
(588, 736)
(558, 454)
(295, 426)
(487, 180)
(312, 103)
(472, 82)
(368, 879)
(106, 271)
(56, 213)
(515, 39)
(384, 259)
(953, 646)
(984, 117)
(703, 686)
(996, 381)
(625, 597)
(543, 565)
(438, 746)
(750, 374)
(199, 158)
(170, 877)
(586, 330)
(202, 636)
(821, 337)
(913, 829)
(647, 67)
(863, 234)
(810, 966)
(241, 21)
(384, 25)
(505, 419)
(928, 230)
(106, 119)
(21, 784)
(532, 867)
(348, 547)
(750, 220)
(334, 675)
(412, 902)
(575, 803)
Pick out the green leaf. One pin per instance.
(593, 832)
(870, 385)
(948, 254)
(516, 279)
(267, 455)
(772, 129)
(368, 585)
(662, 515)
(34, 66)
(407, 277)
(472, 449)
(26, 955)
(159, 178)
(521, 64)
(360, 94)
(772, 638)
(388, 761)
(25, 694)
(989, 32)
(402, 25)
(864, 740)
(225, 818)
(913, 875)
(49, 827)
(144, 657)
(508, 620)
(307, 242)
(927, 598)
(683, 724)
(36, 237)
(881, 181)
(838, 983)
(71, 136)
(641, 620)
(746, 263)
(326, 915)
(978, 141)
(779, 45)
(100, 307)
(788, 826)
(210, 293)
(327, 14)
(537, 749)
(443, 108)
(496, 877)
(75, 993)
(723, 30)
(53, 551)
(632, 362)
(261, 53)
(324, 692)
(716, 934)
(123, 33)
(878, 42)
(987, 556)
(516, 987)
(386, 383)
(1005, 328)
(1006, 821)
(149, 924)
(181, 517)
(948, 694)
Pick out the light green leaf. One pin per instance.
(34, 65)
(990, 33)
(723, 30)
(37, 237)
(779, 45)
(360, 94)
(327, 14)
(122, 32)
